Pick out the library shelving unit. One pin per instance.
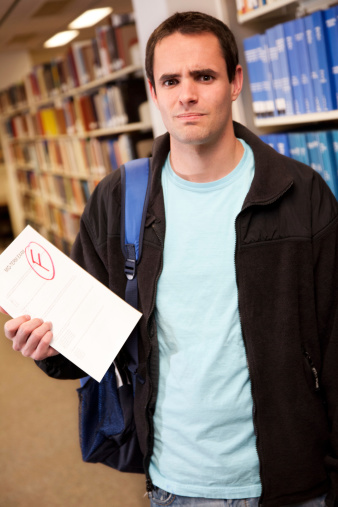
(57, 148)
(270, 14)
(274, 8)
(263, 10)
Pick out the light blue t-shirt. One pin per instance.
(204, 441)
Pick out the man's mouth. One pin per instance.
(189, 115)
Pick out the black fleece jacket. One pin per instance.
(287, 276)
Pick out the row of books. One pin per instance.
(317, 149)
(69, 192)
(63, 224)
(59, 241)
(83, 158)
(108, 107)
(244, 6)
(293, 66)
(72, 193)
(33, 207)
(113, 47)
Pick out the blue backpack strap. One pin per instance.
(135, 189)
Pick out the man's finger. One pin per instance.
(11, 326)
(34, 339)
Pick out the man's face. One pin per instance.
(192, 89)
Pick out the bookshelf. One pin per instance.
(274, 8)
(325, 112)
(263, 11)
(294, 86)
(299, 119)
(56, 157)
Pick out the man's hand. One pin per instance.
(31, 337)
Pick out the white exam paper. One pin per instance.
(90, 323)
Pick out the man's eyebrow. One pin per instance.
(200, 72)
(193, 73)
(166, 77)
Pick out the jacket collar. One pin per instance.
(272, 171)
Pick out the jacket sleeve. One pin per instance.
(90, 256)
(325, 255)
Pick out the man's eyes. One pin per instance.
(205, 78)
(170, 82)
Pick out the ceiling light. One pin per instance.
(90, 18)
(61, 38)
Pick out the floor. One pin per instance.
(40, 459)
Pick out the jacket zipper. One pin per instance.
(313, 369)
(260, 457)
(149, 484)
(259, 454)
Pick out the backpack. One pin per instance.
(106, 415)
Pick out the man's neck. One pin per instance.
(205, 163)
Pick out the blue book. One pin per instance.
(303, 148)
(270, 139)
(295, 69)
(282, 144)
(268, 96)
(252, 58)
(279, 36)
(319, 33)
(294, 149)
(327, 161)
(277, 85)
(298, 147)
(314, 62)
(334, 144)
(304, 64)
(312, 141)
(265, 138)
(331, 32)
(111, 143)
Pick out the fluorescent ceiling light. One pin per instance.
(90, 18)
(61, 38)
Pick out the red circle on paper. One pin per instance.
(40, 261)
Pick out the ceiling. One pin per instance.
(27, 24)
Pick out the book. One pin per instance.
(282, 144)
(126, 37)
(107, 47)
(312, 143)
(314, 62)
(252, 58)
(304, 63)
(268, 96)
(320, 44)
(284, 68)
(327, 161)
(82, 69)
(48, 121)
(295, 68)
(89, 115)
(277, 71)
(331, 31)
(334, 141)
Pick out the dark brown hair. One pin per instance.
(193, 23)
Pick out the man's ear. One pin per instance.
(237, 83)
(153, 93)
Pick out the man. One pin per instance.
(237, 286)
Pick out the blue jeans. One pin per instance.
(160, 497)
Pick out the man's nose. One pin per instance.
(188, 92)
